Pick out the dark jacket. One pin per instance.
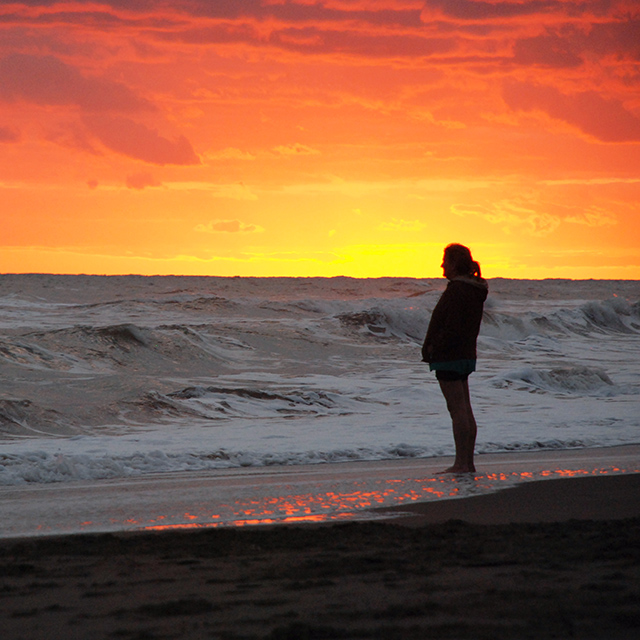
(455, 321)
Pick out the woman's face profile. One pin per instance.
(448, 267)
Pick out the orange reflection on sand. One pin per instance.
(327, 506)
(318, 518)
(571, 473)
(331, 506)
(495, 476)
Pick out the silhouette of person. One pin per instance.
(450, 346)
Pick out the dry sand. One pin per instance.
(550, 559)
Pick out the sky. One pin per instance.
(320, 137)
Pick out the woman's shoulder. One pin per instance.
(469, 285)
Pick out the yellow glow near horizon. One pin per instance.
(319, 139)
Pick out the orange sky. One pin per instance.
(320, 137)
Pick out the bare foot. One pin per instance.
(455, 469)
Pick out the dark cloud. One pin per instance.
(106, 19)
(228, 9)
(360, 28)
(570, 45)
(213, 34)
(472, 10)
(292, 12)
(138, 141)
(319, 34)
(46, 80)
(314, 40)
(299, 11)
(505, 9)
(7, 134)
(621, 38)
(606, 120)
(71, 135)
(548, 51)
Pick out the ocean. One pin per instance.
(123, 376)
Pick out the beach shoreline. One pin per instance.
(550, 558)
(328, 493)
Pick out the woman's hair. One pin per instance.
(463, 263)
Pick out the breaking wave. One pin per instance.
(19, 418)
(214, 403)
(45, 467)
(614, 316)
(574, 380)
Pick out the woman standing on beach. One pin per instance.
(450, 346)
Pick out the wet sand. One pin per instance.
(548, 559)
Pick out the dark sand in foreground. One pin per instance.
(550, 559)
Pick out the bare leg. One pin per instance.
(456, 394)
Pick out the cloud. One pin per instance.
(375, 12)
(46, 80)
(137, 141)
(548, 50)
(71, 135)
(570, 45)
(619, 37)
(295, 149)
(479, 10)
(228, 226)
(141, 181)
(7, 134)
(538, 217)
(360, 42)
(605, 119)
(593, 217)
(511, 214)
(363, 28)
(358, 28)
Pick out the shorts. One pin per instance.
(453, 370)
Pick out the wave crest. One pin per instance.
(613, 316)
(573, 380)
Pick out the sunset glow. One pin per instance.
(320, 137)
